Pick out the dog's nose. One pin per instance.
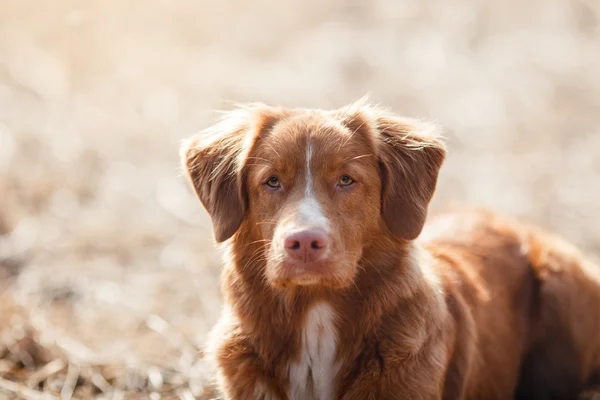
(306, 245)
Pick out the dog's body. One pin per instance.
(329, 296)
(532, 301)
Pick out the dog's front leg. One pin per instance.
(417, 377)
(241, 377)
(391, 388)
(241, 374)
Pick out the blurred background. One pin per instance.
(107, 263)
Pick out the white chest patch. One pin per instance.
(313, 376)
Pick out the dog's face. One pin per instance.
(314, 193)
(314, 188)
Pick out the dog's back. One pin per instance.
(533, 300)
(564, 355)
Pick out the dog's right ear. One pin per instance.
(214, 161)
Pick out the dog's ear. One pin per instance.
(410, 154)
(410, 157)
(214, 161)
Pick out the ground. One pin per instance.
(107, 261)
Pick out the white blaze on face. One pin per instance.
(309, 212)
(313, 376)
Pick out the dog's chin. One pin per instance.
(325, 274)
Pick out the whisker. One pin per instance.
(256, 255)
(272, 148)
(259, 165)
(258, 158)
(258, 241)
(357, 157)
(351, 135)
(295, 301)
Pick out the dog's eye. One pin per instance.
(273, 182)
(345, 180)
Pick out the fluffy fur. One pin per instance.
(478, 307)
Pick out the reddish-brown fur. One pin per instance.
(479, 307)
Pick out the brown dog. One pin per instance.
(329, 296)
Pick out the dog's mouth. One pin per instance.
(326, 273)
(304, 274)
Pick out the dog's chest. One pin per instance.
(313, 376)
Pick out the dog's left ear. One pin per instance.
(410, 155)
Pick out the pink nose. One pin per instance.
(306, 245)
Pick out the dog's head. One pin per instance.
(314, 188)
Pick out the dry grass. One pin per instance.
(110, 275)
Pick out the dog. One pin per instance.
(333, 289)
